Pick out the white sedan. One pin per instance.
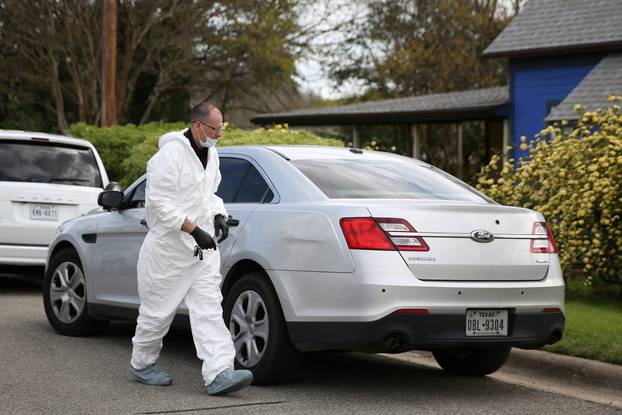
(339, 249)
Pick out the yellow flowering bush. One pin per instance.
(573, 176)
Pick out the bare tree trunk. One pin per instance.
(161, 85)
(59, 104)
(152, 100)
(109, 63)
(75, 76)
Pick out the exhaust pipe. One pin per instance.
(393, 344)
(555, 336)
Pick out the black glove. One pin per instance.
(220, 224)
(204, 240)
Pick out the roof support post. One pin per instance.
(506, 139)
(356, 137)
(414, 133)
(460, 152)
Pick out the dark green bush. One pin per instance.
(126, 149)
(115, 144)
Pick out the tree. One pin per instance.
(412, 47)
(169, 52)
(54, 47)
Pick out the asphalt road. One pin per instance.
(43, 372)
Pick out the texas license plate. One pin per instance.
(44, 212)
(487, 323)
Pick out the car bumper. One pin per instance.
(401, 332)
(21, 254)
(383, 284)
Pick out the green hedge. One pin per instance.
(126, 149)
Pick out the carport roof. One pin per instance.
(592, 92)
(446, 107)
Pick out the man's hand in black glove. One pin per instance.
(204, 240)
(220, 225)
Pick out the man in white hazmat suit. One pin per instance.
(182, 212)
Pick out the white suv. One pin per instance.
(44, 180)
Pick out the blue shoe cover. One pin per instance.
(230, 380)
(152, 375)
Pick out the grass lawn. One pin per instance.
(593, 329)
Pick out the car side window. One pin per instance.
(253, 188)
(138, 197)
(232, 171)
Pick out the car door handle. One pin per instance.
(232, 222)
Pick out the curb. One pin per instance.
(576, 377)
(576, 370)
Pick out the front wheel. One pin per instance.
(253, 314)
(472, 361)
(64, 296)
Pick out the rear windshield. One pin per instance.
(48, 163)
(379, 179)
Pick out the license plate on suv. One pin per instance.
(486, 323)
(43, 212)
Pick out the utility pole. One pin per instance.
(109, 64)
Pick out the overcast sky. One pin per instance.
(312, 77)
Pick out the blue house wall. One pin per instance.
(537, 84)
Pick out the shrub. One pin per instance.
(574, 177)
(115, 144)
(125, 150)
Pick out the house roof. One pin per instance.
(592, 92)
(452, 106)
(560, 26)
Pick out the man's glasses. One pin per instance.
(218, 130)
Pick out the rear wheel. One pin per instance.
(254, 317)
(472, 361)
(64, 296)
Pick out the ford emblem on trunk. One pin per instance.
(482, 236)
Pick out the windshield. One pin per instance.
(24, 161)
(383, 179)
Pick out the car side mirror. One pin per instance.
(113, 186)
(110, 199)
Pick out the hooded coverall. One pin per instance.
(178, 187)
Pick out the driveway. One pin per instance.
(42, 372)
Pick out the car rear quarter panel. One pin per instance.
(300, 241)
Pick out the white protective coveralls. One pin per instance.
(178, 187)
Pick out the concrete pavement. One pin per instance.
(571, 376)
(43, 372)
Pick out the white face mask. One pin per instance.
(207, 142)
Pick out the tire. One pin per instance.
(472, 361)
(277, 358)
(65, 296)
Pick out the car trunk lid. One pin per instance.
(467, 242)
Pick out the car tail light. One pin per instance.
(552, 310)
(364, 233)
(400, 232)
(543, 246)
(386, 234)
